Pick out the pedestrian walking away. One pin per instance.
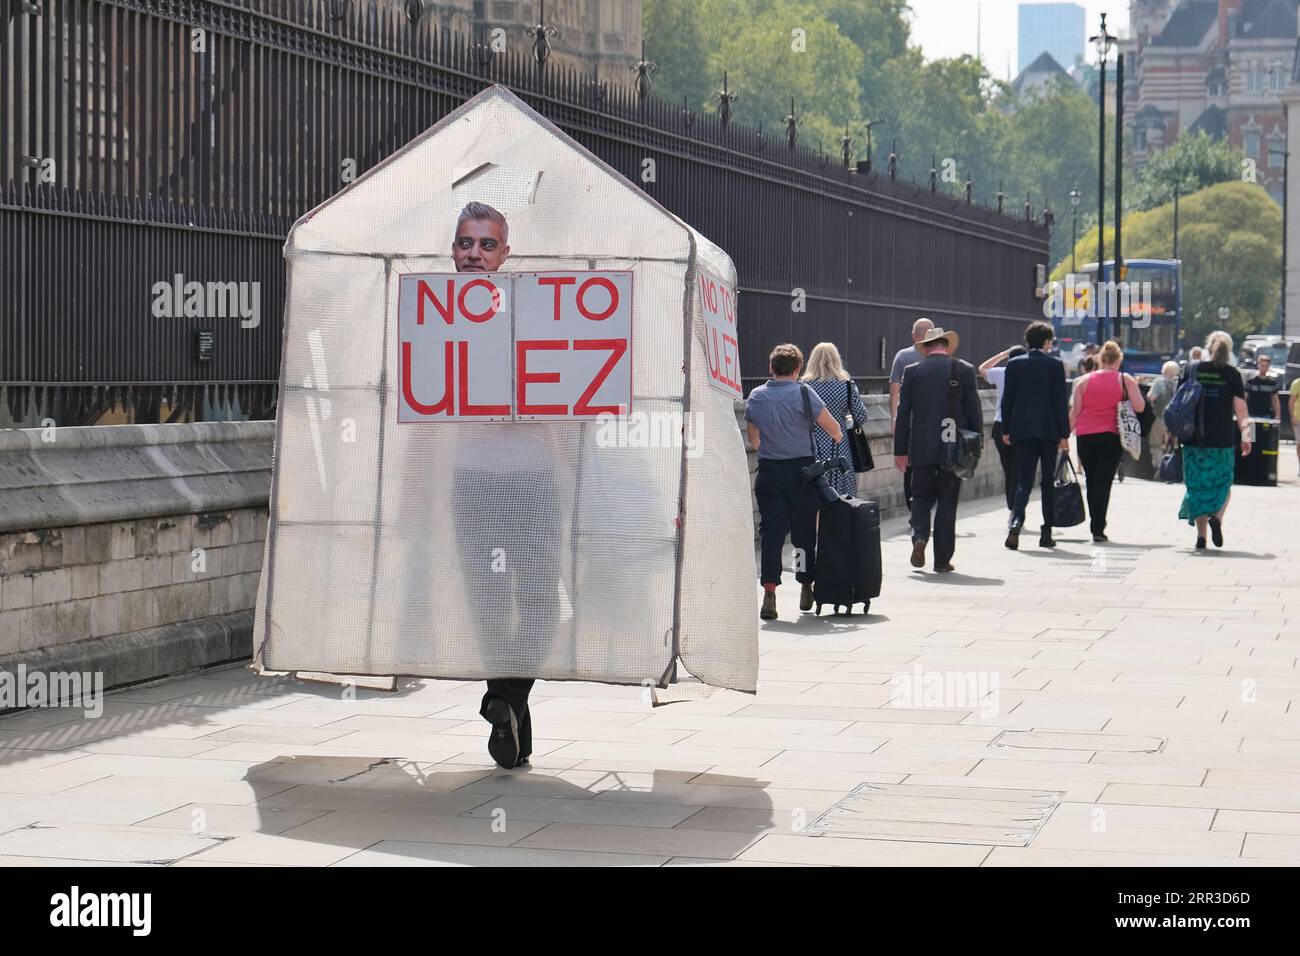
(994, 372)
(1035, 423)
(902, 359)
(1094, 419)
(926, 403)
(1158, 397)
(779, 426)
(1209, 464)
(826, 376)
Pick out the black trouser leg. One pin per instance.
(1100, 456)
(1006, 455)
(785, 506)
(945, 516)
(1027, 457)
(511, 564)
(925, 492)
(1047, 468)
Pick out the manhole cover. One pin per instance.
(900, 811)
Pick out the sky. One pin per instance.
(946, 28)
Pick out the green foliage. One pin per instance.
(859, 67)
(1190, 164)
(1046, 146)
(1230, 242)
(764, 67)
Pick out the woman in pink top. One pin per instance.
(1094, 421)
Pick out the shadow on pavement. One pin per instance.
(397, 811)
(956, 577)
(826, 623)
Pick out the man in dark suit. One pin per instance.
(938, 396)
(1035, 422)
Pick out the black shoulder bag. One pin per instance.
(961, 447)
(859, 446)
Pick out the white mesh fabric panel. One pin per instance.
(718, 574)
(517, 549)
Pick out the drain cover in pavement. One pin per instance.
(900, 811)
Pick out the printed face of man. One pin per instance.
(479, 246)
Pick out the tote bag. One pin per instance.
(1069, 496)
(1130, 429)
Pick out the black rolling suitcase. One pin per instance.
(848, 554)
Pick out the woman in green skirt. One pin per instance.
(1208, 457)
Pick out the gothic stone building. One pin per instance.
(602, 37)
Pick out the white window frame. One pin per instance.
(1245, 141)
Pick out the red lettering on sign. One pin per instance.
(603, 283)
(446, 405)
(708, 293)
(523, 377)
(559, 282)
(423, 292)
(466, 408)
(618, 348)
(492, 309)
(721, 359)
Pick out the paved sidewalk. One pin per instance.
(1135, 703)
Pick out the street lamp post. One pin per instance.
(1103, 41)
(1075, 197)
(869, 126)
(1285, 154)
(1178, 192)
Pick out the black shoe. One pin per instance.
(1013, 538)
(918, 554)
(768, 611)
(806, 598)
(1200, 543)
(944, 568)
(1216, 532)
(503, 743)
(1099, 539)
(1045, 539)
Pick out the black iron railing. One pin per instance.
(142, 140)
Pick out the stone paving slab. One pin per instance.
(1152, 690)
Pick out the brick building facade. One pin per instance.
(1220, 66)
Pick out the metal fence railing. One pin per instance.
(150, 148)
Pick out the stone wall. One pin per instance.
(131, 550)
(134, 550)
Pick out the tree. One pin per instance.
(1190, 164)
(675, 41)
(790, 50)
(1047, 144)
(1230, 243)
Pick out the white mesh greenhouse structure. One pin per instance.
(534, 541)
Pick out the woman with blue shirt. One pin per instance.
(994, 371)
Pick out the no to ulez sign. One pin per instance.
(514, 346)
